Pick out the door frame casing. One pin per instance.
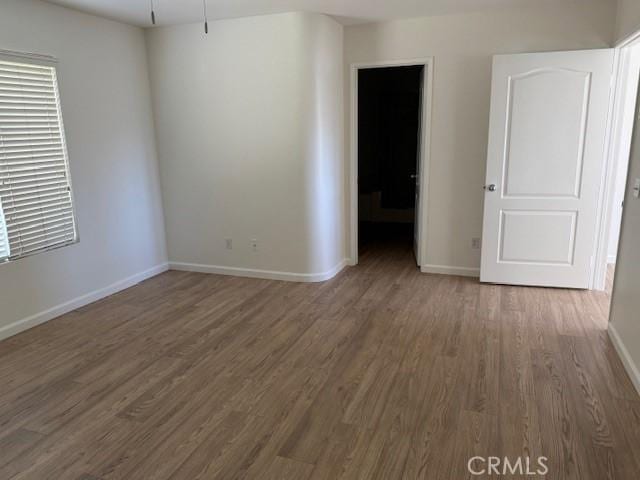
(425, 150)
(614, 132)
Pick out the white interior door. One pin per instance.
(416, 222)
(544, 167)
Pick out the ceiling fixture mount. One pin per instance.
(204, 7)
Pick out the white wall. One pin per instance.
(625, 306)
(250, 142)
(105, 96)
(462, 46)
(628, 18)
(324, 50)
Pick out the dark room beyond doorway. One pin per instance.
(389, 113)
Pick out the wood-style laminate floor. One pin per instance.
(380, 373)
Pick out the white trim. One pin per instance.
(611, 259)
(425, 154)
(255, 273)
(627, 361)
(450, 270)
(51, 313)
(629, 40)
(603, 208)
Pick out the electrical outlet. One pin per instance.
(636, 188)
(229, 243)
(254, 244)
(476, 243)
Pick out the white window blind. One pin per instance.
(35, 187)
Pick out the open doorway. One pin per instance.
(622, 126)
(389, 106)
(390, 148)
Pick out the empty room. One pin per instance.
(319, 239)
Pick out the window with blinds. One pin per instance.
(35, 187)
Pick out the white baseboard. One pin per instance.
(627, 361)
(51, 313)
(255, 273)
(450, 270)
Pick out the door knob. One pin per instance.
(491, 188)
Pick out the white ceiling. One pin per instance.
(170, 12)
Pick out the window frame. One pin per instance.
(29, 59)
